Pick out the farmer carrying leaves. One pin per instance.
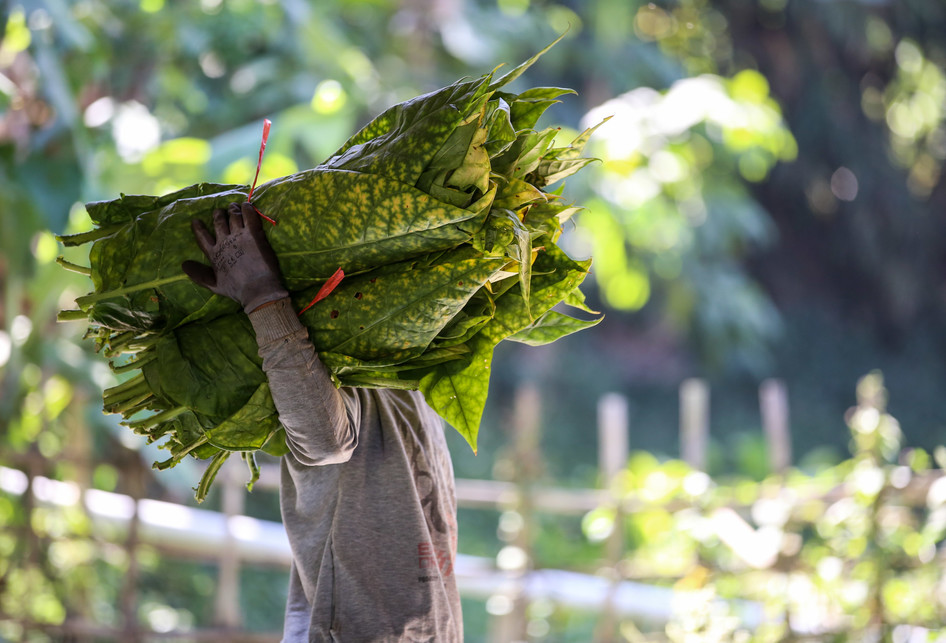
(367, 492)
(441, 212)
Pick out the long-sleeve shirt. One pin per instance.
(367, 498)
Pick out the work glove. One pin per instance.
(243, 265)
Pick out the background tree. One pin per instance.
(792, 230)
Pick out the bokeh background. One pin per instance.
(768, 206)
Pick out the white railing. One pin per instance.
(175, 528)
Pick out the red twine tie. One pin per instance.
(326, 289)
(336, 278)
(262, 148)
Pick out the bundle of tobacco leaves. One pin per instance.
(436, 211)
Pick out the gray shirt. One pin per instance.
(367, 499)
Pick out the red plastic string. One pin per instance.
(273, 221)
(262, 148)
(259, 163)
(326, 289)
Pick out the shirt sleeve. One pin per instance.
(319, 419)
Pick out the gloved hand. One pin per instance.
(243, 265)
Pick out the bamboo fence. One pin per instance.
(509, 583)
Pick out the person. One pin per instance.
(367, 489)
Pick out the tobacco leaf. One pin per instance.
(435, 210)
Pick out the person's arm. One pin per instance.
(320, 429)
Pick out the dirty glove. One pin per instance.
(243, 265)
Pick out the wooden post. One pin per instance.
(613, 449)
(227, 602)
(694, 422)
(773, 404)
(612, 460)
(612, 436)
(511, 603)
(34, 466)
(79, 451)
(134, 469)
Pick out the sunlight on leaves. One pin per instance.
(862, 562)
(671, 179)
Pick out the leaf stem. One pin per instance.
(87, 300)
(120, 389)
(250, 458)
(70, 240)
(147, 357)
(71, 315)
(133, 398)
(142, 405)
(177, 457)
(368, 381)
(207, 479)
(148, 422)
(120, 340)
(74, 267)
(129, 342)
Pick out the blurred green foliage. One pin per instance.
(671, 204)
(837, 553)
(768, 201)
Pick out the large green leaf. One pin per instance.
(402, 141)
(522, 67)
(250, 427)
(553, 170)
(329, 219)
(212, 368)
(128, 207)
(457, 390)
(523, 156)
(501, 133)
(550, 327)
(527, 107)
(450, 156)
(576, 299)
(554, 277)
(516, 193)
(138, 267)
(547, 218)
(474, 171)
(394, 313)
(349, 370)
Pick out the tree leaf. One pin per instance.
(523, 156)
(394, 313)
(554, 170)
(128, 207)
(212, 368)
(499, 124)
(550, 327)
(576, 299)
(554, 276)
(250, 427)
(515, 193)
(474, 171)
(401, 142)
(528, 107)
(457, 391)
(358, 221)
